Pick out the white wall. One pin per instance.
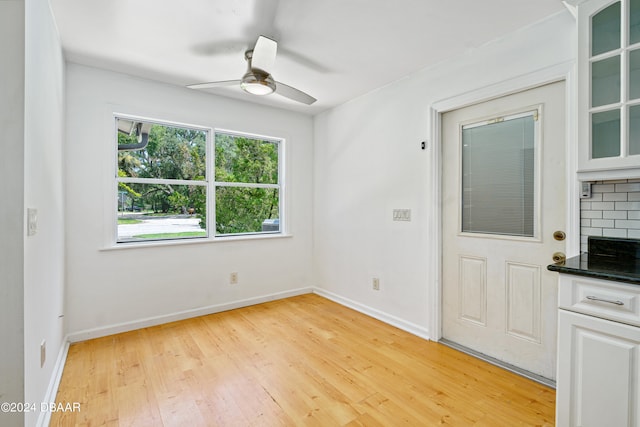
(11, 207)
(43, 190)
(107, 288)
(368, 161)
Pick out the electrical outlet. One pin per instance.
(402, 214)
(43, 352)
(233, 278)
(376, 284)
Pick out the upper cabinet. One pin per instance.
(609, 89)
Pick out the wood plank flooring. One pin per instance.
(301, 361)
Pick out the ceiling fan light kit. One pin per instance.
(257, 80)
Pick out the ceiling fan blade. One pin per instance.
(214, 84)
(294, 94)
(264, 54)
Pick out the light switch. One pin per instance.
(32, 221)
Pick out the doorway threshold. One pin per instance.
(504, 365)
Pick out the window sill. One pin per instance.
(197, 241)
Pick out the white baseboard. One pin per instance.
(412, 328)
(180, 315)
(45, 416)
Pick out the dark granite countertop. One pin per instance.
(627, 271)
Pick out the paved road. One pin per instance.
(156, 225)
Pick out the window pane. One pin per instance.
(634, 130)
(605, 30)
(634, 22)
(605, 81)
(605, 134)
(160, 211)
(498, 167)
(156, 151)
(242, 159)
(247, 210)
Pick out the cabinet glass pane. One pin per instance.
(605, 81)
(634, 74)
(605, 30)
(634, 21)
(634, 130)
(605, 134)
(498, 176)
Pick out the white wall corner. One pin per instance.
(572, 6)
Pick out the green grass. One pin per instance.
(171, 235)
(128, 221)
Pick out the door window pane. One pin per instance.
(605, 30)
(605, 81)
(498, 175)
(634, 130)
(605, 134)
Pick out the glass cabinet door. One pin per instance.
(614, 82)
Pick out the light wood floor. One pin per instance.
(299, 361)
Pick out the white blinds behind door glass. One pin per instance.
(498, 177)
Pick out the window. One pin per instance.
(498, 176)
(173, 182)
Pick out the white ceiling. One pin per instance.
(335, 50)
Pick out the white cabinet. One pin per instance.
(598, 369)
(598, 381)
(609, 89)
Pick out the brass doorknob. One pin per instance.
(559, 235)
(559, 257)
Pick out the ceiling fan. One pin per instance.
(258, 80)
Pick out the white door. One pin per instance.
(503, 199)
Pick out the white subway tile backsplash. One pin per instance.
(626, 188)
(591, 214)
(612, 211)
(626, 206)
(614, 232)
(590, 231)
(629, 224)
(604, 206)
(614, 214)
(597, 197)
(603, 188)
(603, 223)
(614, 197)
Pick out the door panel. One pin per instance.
(498, 297)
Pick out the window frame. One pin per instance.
(210, 183)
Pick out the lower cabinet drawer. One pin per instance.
(615, 301)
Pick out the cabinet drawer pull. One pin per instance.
(592, 298)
